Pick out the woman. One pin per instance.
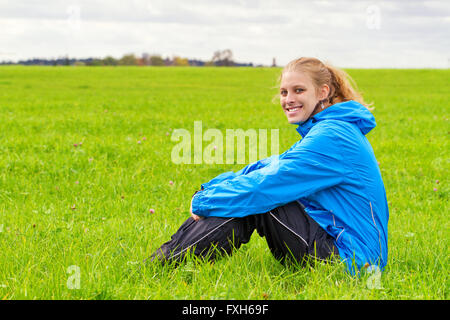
(323, 197)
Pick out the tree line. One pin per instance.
(219, 58)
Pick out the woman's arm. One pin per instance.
(310, 166)
(231, 175)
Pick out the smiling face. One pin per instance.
(299, 97)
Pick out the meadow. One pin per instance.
(88, 189)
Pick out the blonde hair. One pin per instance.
(342, 86)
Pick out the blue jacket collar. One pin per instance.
(348, 111)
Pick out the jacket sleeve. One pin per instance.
(230, 174)
(312, 165)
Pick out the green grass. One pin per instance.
(113, 181)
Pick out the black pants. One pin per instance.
(289, 231)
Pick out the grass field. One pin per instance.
(70, 213)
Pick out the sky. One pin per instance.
(348, 34)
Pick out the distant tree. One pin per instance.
(140, 62)
(66, 61)
(128, 60)
(196, 63)
(95, 62)
(156, 60)
(227, 57)
(145, 59)
(110, 61)
(223, 58)
(216, 57)
(168, 62)
(180, 62)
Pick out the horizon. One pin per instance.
(16, 63)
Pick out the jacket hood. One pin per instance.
(348, 111)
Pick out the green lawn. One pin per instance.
(84, 210)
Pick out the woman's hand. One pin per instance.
(194, 216)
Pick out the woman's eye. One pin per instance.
(283, 92)
(298, 90)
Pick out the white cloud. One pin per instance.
(346, 33)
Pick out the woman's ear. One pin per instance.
(324, 92)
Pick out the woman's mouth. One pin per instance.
(292, 110)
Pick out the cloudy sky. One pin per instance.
(362, 34)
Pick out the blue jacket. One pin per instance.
(332, 170)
